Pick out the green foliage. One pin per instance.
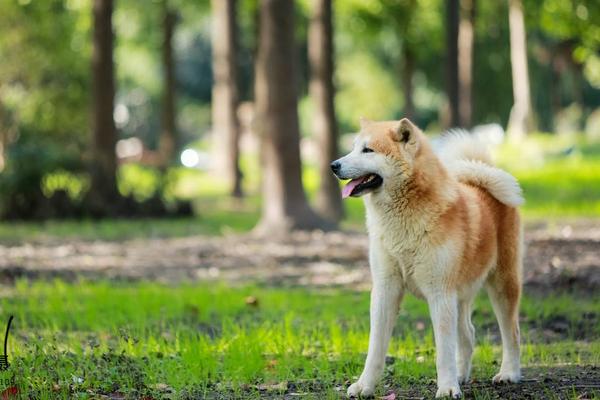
(75, 185)
(140, 182)
(365, 89)
(370, 38)
(575, 20)
(25, 191)
(44, 76)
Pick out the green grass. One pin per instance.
(143, 339)
(555, 185)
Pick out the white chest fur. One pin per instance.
(400, 249)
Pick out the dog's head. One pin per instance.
(384, 155)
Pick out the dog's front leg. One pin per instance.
(385, 301)
(444, 316)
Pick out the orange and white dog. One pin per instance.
(441, 225)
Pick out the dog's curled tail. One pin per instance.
(458, 144)
(469, 160)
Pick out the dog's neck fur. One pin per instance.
(425, 195)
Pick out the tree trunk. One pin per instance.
(3, 137)
(103, 188)
(168, 135)
(407, 73)
(521, 116)
(284, 204)
(225, 93)
(320, 51)
(452, 17)
(465, 62)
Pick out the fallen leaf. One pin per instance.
(11, 392)
(163, 387)
(251, 301)
(389, 396)
(275, 387)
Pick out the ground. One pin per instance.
(235, 316)
(558, 255)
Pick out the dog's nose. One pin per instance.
(335, 166)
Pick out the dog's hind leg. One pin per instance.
(466, 341)
(504, 289)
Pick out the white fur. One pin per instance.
(502, 185)
(403, 261)
(458, 144)
(468, 159)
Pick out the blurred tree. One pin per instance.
(322, 91)
(465, 61)
(401, 17)
(168, 134)
(284, 204)
(49, 97)
(103, 188)
(452, 78)
(44, 82)
(521, 118)
(225, 92)
(565, 47)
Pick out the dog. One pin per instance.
(441, 225)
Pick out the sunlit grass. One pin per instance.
(127, 338)
(560, 175)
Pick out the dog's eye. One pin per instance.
(367, 150)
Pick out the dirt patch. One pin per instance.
(566, 257)
(565, 382)
(570, 382)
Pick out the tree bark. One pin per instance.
(225, 93)
(465, 62)
(321, 53)
(407, 73)
(452, 88)
(168, 135)
(104, 136)
(521, 118)
(284, 204)
(3, 137)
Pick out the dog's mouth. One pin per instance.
(363, 185)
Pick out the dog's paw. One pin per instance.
(359, 389)
(452, 391)
(464, 379)
(502, 377)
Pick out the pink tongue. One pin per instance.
(347, 190)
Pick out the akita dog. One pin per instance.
(441, 225)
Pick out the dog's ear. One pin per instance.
(364, 122)
(405, 132)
